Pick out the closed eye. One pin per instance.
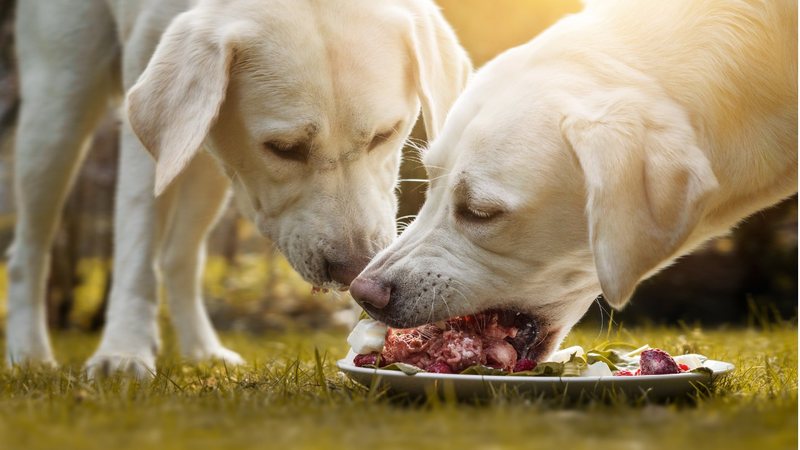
(473, 214)
(382, 138)
(291, 152)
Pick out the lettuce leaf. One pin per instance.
(574, 366)
(702, 369)
(407, 369)
(482, 370)
(545, 369)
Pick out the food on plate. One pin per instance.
(494, 339)
(367, 337)
(501, 343)
(657, 362)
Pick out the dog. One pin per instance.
(301, 106)
(592, 157)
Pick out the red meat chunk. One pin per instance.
(524, 364)
(439, 367)
(657, 362)
(462, 342)
(365, 360)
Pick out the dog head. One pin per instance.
(547, 186)
(306, 106)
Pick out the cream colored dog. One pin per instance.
(592, 157)
(304, 105)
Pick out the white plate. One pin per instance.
(471, 386)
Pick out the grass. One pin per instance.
(287, 398)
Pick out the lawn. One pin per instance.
(286, 399)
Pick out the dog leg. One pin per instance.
(130, 341)
(65, 87)
(201, 192)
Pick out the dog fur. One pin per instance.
(592, 157)
(301, 106)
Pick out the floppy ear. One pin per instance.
(177, 98)
(441, 67)
(647, 184)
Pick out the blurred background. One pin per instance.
(750, 275)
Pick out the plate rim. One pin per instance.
(345, 365)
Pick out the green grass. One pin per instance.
(285, 399)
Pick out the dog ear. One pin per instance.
(176, 100)
(647, 184)
(440, 65)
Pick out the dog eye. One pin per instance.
(472, 214)
(382, 138)
(290, 152)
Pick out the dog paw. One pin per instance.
(30, 357)
(219, 354)
(104, 364)
(32, 361)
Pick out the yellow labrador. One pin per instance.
(302, 106)
(592, 157)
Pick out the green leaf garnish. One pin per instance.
(545, 369)
(592, 357)
(407, 369)
(482, 370)
(616, 345)
(574, 366)
(703, 370)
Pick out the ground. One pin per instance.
(289, 398)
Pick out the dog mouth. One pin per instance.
(506, 339)
(528, 332)
(520, 330)
(320, 279)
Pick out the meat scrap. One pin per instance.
(453, 346)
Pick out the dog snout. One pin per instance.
(370, 293)
(345, 261)
(344, 273)
(345, 267)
